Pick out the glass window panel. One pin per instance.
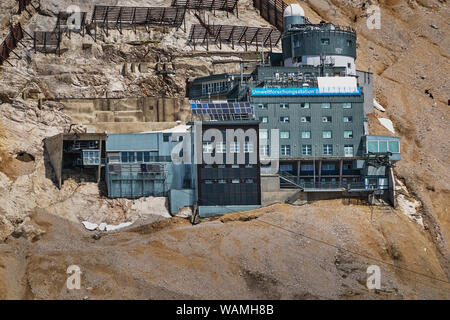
(234, 147)
(372, 146)
(394, 147)
(306, 149)
(348, 134)
(305, 105)
(248, 147)
(284, 134)
(347, 105)
(348, 150)
(383, 146)
(326, 134)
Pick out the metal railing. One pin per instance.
(137, 171)
(15, 35)
(289, 180)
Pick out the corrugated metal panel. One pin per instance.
(337, 84)
(132, 142)
(316, 112)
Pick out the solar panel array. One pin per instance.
(222, 111)
(235, 35)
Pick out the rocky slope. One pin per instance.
(409, 54)
(271, 253)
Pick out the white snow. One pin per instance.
(410, 207)
(90, 226)
(103, 226)
(387, 124)
(110, 227)
(378, 106)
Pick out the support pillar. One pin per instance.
(320, 170)
(341, 164)
(99, 170)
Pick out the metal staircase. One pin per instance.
(290, 180)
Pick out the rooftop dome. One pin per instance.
(293, 10)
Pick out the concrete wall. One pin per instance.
(365, 81)
(129, 127)
(392, 197)
(126, 110)
(279, 196)
(210, 211)
(180, 198)
(270, 183)
(316, 196)
(54, 147)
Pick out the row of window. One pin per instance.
(221, 147)
(325, 119)
(348, 134)
(285, 149)
(91, 157)
(215, 87)
(383, 146)
(323, 41)
(221, 181)
(306, 105)
(136, 157)
(310, 167)
(307, 150)
(326, 42)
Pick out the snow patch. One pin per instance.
(110, 227)
(409, 206)
(103, 226)
(387, 124)
(90, 226)
(378, 106)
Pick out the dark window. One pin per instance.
(166, 137)
(306, 149)
(305, 119)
